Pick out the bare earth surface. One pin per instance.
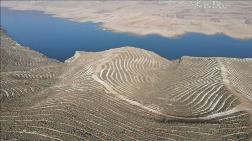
(166, 18)
(123, 94)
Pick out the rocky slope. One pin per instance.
(123, 94)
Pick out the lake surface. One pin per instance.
(59, 38)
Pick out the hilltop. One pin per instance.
(123, 94)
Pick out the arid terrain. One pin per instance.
(166, 18)
(123, 94)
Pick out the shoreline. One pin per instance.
(77, 52)
(142, 23)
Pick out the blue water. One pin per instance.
(59, 38)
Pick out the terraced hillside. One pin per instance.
(24, 72)
(123, 94)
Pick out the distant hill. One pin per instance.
(123, 94)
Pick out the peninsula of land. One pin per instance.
(166, 18)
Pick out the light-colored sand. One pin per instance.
(167, 18)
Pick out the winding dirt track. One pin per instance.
(123, 94)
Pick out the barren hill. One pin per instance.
(123, 94)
